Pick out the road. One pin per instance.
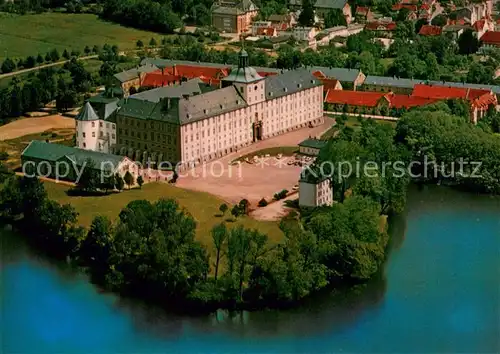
(19, 72)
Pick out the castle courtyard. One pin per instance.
(261, 179)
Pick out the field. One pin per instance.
(21, 36)
(202, 206)
(354, 123)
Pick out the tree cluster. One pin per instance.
(145, 14)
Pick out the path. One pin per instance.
(371, 116)
(274, 211)
(27, 126)
(19, 72)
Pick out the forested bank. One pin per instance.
(151, 252)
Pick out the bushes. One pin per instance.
(262, 202)
(281, 195)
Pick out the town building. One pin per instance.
(380, 27)
(322, 7)
(482, 26)
(324, 37)
(305, 34)
(364, 14)
(133, 78)
(490, 39)
(311, 146)
(315, 191)
(66, 163)
(283, 22)
(429, 30)
(349, 78)
(199, 127)
(233, 16)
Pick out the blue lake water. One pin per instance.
(439, 292)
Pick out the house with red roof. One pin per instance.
(381, 27)
(479, 100)
(377, 103)
(430, 30)
(490, 39)
(482, 26)
(364, 14)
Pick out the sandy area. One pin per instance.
(26, 126)
(253, 182)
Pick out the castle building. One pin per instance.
(194, 126)
(95, 126)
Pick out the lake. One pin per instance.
(438, 292)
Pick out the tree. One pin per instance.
(39, 59)
(108, 183)
(243, 205)
(66, 100)
(95, 250)
(54, 55)
(306, 17)
(420, 22)
(219, 236)
(236, 211)
(335, 17)
(8, 66)
(468, 42)
(128, 179)
(30, 62)
(48, 58)
(95, 49)
(87, 50)
(152, 42)
(65, 54)
(223, 208)
(119, 183)
(139, 44)
(140, 181)
(439, 20)
(403, 14)
(89, 179)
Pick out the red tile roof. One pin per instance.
(192, 71)
(479, 25)
(319, 75)
(371, 99)
(425, 7)
(157, 79)
(329, 84)
(398, 7)
(362, 10)
(429, 30)
(353, 98)
(380, 26)
(477, 97)
(491, 37)
(408, 101)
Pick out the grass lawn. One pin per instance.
(202, 206)
(273, 151)
(21, 36)
(354, 123)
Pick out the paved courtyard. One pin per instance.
(250, 181)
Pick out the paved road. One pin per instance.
(14, 73)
